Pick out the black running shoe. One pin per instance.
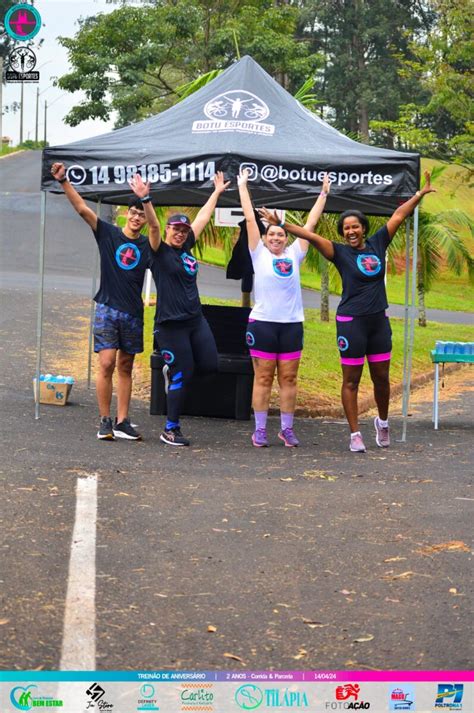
(174, 437)
(126, 430)
(105, 432)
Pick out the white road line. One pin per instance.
(78, 646)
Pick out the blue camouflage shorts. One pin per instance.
(117, 330)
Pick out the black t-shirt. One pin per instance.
(363, 272)
(175, 272)
(123, 262)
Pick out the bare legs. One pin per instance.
(264, 370)
(379, 373)
(108, 359)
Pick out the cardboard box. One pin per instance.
(52, 392)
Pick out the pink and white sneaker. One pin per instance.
(382, 434)
(357, 444)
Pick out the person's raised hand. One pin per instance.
(269, 216)
(220, 184)
(138, 186)
(427, 188)
(326, 183)
(243, 177)
(58, 171)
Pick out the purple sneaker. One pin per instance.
(259, 438)
(382, 434)
(357, 444)
(288, 438)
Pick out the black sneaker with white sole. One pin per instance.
(126, 430)
(105, 432)
(174, 437)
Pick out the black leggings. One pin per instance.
(184, 346)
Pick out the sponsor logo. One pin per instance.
(21, 62)
(23, 699)
(283, 266)
(369, 264)
(96, 694)
(342, 344)
(449, 696)
(235, 110)
(147, 700)
(197, 697)
(127, 256)
(402, 698)
(250, 339)
(249, 697)
(346, 692)
(190, 263)
(22, 22)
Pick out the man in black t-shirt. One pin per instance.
(118, 324)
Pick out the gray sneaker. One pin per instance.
(382, 434)
(105, 432)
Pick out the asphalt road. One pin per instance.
(70, 250)
(312, 558)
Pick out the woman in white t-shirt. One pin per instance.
(275, 330)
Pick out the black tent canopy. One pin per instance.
(243, 118)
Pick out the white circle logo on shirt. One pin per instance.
(283, 266)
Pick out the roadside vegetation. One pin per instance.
(319, 376)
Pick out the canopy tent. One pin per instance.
(243, 118)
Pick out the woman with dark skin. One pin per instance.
(363, 328)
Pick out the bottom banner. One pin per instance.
(235, 691)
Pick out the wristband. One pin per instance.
(281, 225)
(145, 199)
(419, 194)
(61, 180)
(323, 193)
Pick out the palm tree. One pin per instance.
(439, 244)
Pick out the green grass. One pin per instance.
(451, 292)
(4, 150)
(319, 374)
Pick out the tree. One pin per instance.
(439, 244)
(443, 64)
(362, 43)
(132, 60)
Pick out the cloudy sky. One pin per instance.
(59, 18)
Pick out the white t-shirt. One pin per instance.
(277, 286)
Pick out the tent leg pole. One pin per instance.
(39, 315)
(405, 328)
(412, 315)
(92, 313)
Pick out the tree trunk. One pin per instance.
(324, 309)
(421, 303)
